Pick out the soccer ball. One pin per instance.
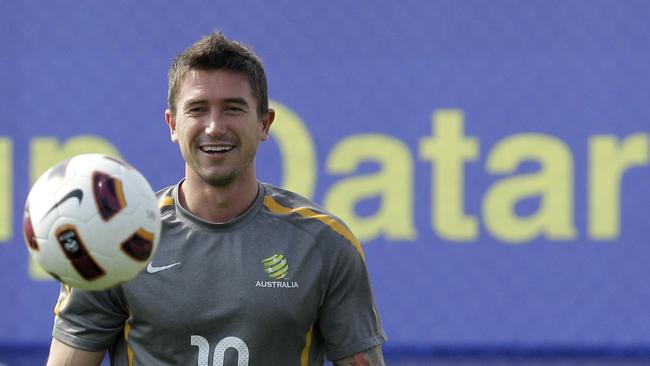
(92, 221)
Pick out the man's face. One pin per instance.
(217, 127)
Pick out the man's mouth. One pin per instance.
(216, 149)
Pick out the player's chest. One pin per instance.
(208, 281)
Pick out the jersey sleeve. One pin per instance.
(348, 319)
(89, 320)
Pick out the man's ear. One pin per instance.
(266, 121)
(171, 123)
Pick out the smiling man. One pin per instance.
(245, 273)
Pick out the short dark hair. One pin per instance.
(216, 52)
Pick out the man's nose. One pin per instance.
(215, 127)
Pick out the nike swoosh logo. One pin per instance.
(75, 193)
(152, 269)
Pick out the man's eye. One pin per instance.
(196, 110)
(235, 109)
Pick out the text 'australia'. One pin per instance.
(283, 284)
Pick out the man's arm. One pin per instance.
(63, 355)
(369, 357)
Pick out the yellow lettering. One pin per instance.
(609, 160)
(553, 183)
(393, 184)
(448, 149)
(45, 152)
(297, 150)
(6, 189)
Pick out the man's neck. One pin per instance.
(217, 204)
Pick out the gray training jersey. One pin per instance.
(285, 283)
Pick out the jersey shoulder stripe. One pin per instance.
(165, 196)
(166, 199)
(63, 299)
(273, 205)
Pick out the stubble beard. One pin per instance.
(225, 179)
(221, 181)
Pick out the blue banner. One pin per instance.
(492, 157)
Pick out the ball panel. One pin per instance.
(73, 278)
(58, 171)
(75, 250)
(139, 246)
(28, 230)
(108, 194)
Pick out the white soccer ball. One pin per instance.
(92, 222)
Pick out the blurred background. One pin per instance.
(492, 156)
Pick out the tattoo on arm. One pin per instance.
(370, 357)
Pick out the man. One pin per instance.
(245, 273)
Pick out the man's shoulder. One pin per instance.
(283, 201)
(165, 198)
(308, 215)
(165, 192)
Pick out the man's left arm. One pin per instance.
(348, 320)
(369, 357)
